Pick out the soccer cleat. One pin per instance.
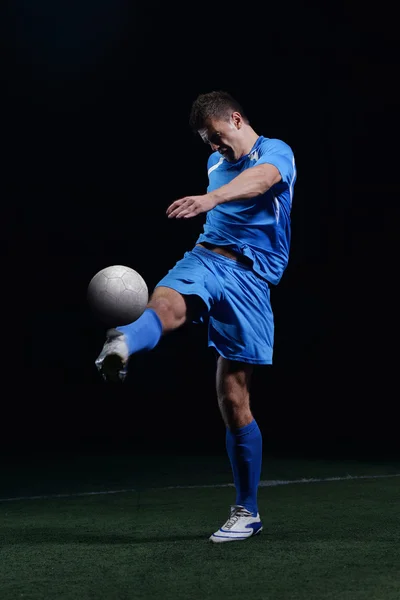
(112, 361)
(240, 526)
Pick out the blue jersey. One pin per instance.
(258, 228)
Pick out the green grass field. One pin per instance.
(129, 527)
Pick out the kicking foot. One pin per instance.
(112, 362)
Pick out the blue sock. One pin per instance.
(144, 333)
(244, 447)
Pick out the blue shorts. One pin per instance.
(238, 305)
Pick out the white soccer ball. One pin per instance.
(117, 295)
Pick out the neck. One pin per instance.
(250, 140)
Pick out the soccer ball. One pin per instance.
(117, 295)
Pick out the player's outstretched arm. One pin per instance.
(249, 184)
(190, 206)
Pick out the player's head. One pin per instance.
(222, 123)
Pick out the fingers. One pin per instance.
(182, 213)
(180, 208)
(186, 214)
(174, 208)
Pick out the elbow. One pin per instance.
(267, 184)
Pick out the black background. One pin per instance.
(97, 145)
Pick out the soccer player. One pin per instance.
(225, 281)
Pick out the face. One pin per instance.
(225, 136)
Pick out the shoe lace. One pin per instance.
(236, 513)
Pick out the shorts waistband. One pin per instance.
(222, 259)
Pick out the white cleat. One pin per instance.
(240, 526)
(112, 362)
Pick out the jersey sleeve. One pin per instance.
(213, 159)
(278, 153)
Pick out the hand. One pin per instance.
(190, 206)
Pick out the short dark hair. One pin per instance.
(213, 105)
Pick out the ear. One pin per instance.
(237, 119)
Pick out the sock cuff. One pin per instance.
(156, 318)
(246, 430)
(144, 333)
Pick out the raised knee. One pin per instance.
(170, 307)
